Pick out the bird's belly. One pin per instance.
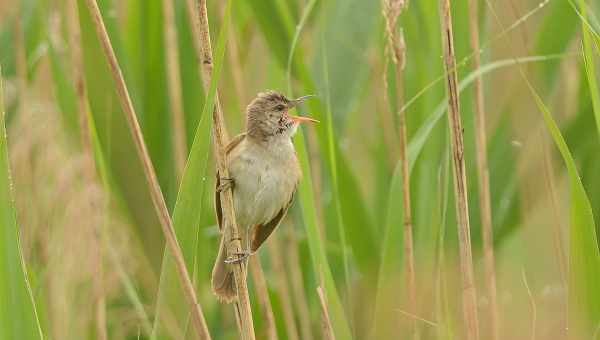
(260, 192)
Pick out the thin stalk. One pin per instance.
(285, 297)
(89, 171)
(460, 178)
(298, 291)
(262, 293)
(483, 177)
(396, 50)
(326, 321)
(231, 232)
(174, 88)
(154, 188)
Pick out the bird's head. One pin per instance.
(268, 117)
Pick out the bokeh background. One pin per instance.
(90, 238)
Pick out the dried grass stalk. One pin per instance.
(155, 192)
(243, 310)
(326, 321)
(483, 177)
(396, 51)
(460, 179)
(174, 88)
(262, 293)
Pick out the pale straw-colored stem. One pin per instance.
(174, 88)
(89, 171)
(483, 178)
(155, 191)
(282, 286)
(231, 232)
(396, 50)
(298, 291)
(325, 321)
(262, 294)
(469, 299)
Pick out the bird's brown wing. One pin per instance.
(262, 231)
(218, 210)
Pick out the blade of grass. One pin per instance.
(152, 182)
(190, 200)
(584, 259)
(584, 256)
(590, 65)
(18, 314)
(318, 254)
(174, 87)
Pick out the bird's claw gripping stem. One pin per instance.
(225, 184)
(238, 257)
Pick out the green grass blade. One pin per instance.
(418, 141)
(18, 316)
(316, 246)
(584, 257)
(189, 205)
(590, 66)
(318, 254)
(113, 134)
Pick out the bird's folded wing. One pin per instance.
(219, 212)
(262, 231)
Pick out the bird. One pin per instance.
(264, 173)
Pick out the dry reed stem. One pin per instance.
(532, 304)
(276, 257)
(483, 177)
(396, 50)
(262, 293)
(89, 163)
(460, 179)
(174, 88)
(298, 291)
(20, 64)
(219, 141)
(558, 227)
(326, 321)
(155, 192)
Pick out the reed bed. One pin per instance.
(450, 190)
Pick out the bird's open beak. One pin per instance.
(300, 119)
(298, 101)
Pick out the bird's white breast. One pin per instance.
(265, 177)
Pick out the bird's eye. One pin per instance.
(280, 107)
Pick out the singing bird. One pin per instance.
(263, 174)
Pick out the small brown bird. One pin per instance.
(264, 173)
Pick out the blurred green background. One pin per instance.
(93, 248)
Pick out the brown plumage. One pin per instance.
(264, 173)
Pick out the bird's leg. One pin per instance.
(244, 254)
(225, 184)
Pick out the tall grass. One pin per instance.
(337, 268)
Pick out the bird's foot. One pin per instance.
(225, 184)
(238, 257)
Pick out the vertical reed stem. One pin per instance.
(174, 88)
(396, 50)
(276, 257)
(262, 293)
(89, 171)
(483, 178)
(460, 179)
(219, 140)
(155, 192)
(326, 321)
